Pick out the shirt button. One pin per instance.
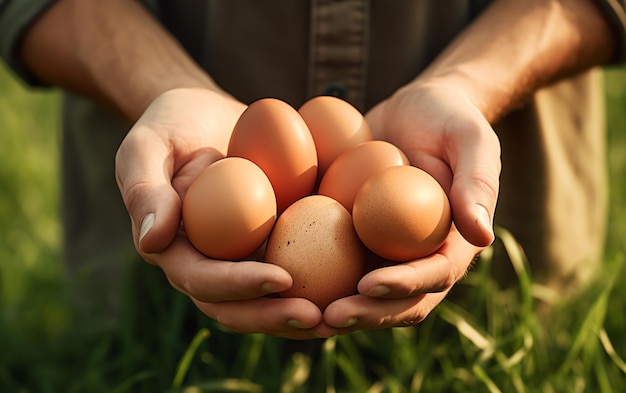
(336, 89)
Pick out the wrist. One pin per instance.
(515, 48)
(463, 87)
(194, 116)
(128, 55)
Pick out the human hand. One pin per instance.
(442, 132)
(180, 133)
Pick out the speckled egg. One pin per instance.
(315, 241)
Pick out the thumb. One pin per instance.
(474, 189)
(143, 170)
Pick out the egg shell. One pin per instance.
(229, 209)
(402, 213)
(314, 240)
(272, 134)
(353, 167)
(336, 125)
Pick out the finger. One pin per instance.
(143, 172)
(145, 166)
(435, 273)
(475, 162)
(366, 313)
(209, 280)
(293, 318)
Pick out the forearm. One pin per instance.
(112, 51)
(516, 47)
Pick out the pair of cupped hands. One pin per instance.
(183, 130)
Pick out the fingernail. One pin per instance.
(271, 287)
(378, 291)
(349, 323)
(146, 224)
(297, 324)
(482, 217)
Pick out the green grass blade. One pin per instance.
(250, 353)
(610, 350)
(329, 355)
(602, 377)
(462, 321)
(297, 374)
(484, 377)
(225, 385)
(520, 264)
(185, 361)
(589, 329)
(127, 386)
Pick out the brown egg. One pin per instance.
(314, 240)
(402, 213)
(353, 167)
(229, 209)
(272, 134)
(336, 125)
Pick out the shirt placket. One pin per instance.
(339, 49)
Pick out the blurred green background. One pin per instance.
(491, 341)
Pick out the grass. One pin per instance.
(492, 340)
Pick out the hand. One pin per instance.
(180, 133)
(443, 133)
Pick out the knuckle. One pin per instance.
(488, 183)
(182, 283)
(133, 194)
(448, 280)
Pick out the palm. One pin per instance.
(441, 132)
(180, 134)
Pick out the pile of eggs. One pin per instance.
(323, 197)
